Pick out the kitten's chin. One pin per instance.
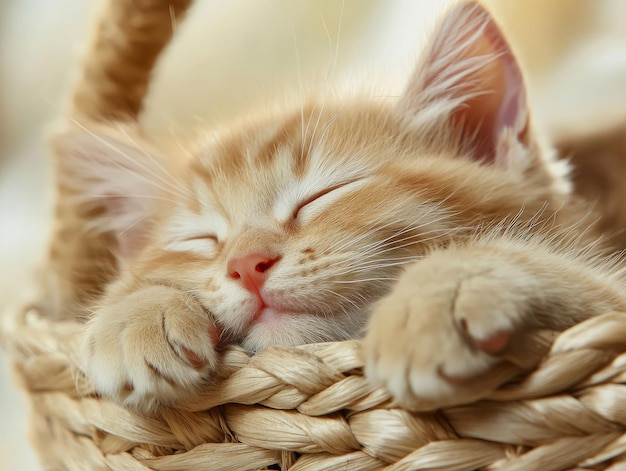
(272, 327)
(267, 314)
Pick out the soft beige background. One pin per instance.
(228, 53)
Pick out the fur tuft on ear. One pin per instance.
(469, 83)
(115, 168)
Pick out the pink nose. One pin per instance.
(251, 269)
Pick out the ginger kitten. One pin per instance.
(440, 224)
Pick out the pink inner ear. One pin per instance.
(500, 100)
(513, 106)
(470, 80)
(513, 101)
(114, 167)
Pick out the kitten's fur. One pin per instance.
(599, 173)
(441, 222)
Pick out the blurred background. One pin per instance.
(227, 54)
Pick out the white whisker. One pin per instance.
(173, 189)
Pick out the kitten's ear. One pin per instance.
(469, 82)
(116, 169)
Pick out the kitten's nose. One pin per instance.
(251, 269)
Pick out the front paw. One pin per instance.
(155, 346)
(441, 335)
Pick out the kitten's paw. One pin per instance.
(436, 338)
(153, 347)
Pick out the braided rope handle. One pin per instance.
(310, 408)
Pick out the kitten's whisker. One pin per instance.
(151, 197)
(330, 46)
(393, 239)
(368, 267)
(301, 88)
(345, 298)
(331, 120)
(340, 245)
(378, 249)
(366, 280)
(366, 263)
(138, 221)
(338, 248)
(368, 271)
(373, 252)
(340, 24)
(154, 161)
(329, 77)
(173, 188)
(411, 227)
(317, 122)
(351, 242)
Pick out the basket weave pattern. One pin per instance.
(310, 408)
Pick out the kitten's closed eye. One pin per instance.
(210, 237)
(199, 232)
(336, 193)
(205, 244)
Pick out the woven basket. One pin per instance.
(310, 408)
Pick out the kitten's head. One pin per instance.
(289, 224)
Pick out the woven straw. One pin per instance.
(310, 408)
(293, 408)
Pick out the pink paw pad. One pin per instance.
(193, 358)
(495, 344)
(216, 334)
(452, 379)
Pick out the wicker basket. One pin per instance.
(310, 408)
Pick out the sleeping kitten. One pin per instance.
(438, 223)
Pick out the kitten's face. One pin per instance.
(290, 240)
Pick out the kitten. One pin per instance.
(440, 224)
